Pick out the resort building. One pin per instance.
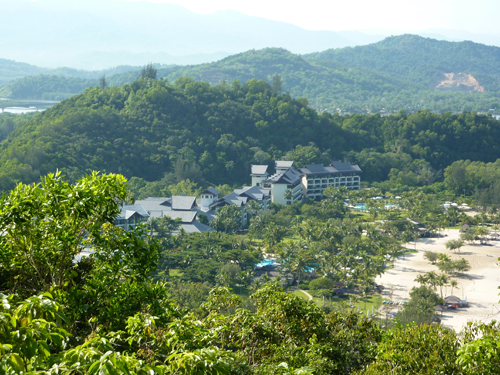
(316, 177)
(259, 174)
(285, 185)
(289, 185)
(130, 216)
(241, 198)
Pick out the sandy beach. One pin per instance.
(479, 286)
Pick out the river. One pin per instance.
(26, 106)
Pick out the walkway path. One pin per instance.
(307, 294)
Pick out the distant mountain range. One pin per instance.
(404, 72)
(98, 34)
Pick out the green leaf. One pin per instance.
(109, 367)
(16, 362)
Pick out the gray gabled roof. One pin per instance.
(290, 177)
(196, 227)
(345, 167)
(236, 199)
(185, 216)
(253, 192)
(211, 190)
(155, 204)
(159, 200)
(336, 167)
(128, 211)
(182, 202)
(317, 168)
(259, 170)
(283, 164)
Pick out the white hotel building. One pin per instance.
(308, 182)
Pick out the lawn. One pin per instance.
(364, 304)
(175, 272)
(300, 294)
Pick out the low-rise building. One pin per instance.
(130, 216)
(180, 207)
(259, 174)
(241, 198)
(208, 197)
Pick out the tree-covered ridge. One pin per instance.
(155, 130)
(15, 69)
(421, 60)
(397, 73)
(318, 82)
(333, 83)
(11, 70)
(46, 87)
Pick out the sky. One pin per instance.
(476, 16)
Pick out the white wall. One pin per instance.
(277, 193)
(257, 180)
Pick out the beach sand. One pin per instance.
(479, 285)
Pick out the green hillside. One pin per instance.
(405, 72)
(421, 60)
(11, 70)
(352, 84)
(155, 131)
(46, 87)
(27, 82)
(320, 83)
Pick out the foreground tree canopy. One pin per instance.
(105, 314)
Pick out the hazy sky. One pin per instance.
(477, 16)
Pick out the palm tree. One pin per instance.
(422, 279)
(288, 196)
(253, 207)
(298, 261)
(453, 284)
(441, 281)
(481, 232)
(432, 278)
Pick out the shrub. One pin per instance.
(321, 283)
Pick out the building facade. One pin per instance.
(316, 178)
(285, 185)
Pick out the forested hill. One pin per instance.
(12, 70)
(406, 72)
(46, 87)
(318, 82)
(212, 134)
(421, 60)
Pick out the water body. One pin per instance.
(26, 106)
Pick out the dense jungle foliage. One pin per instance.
(160, 132)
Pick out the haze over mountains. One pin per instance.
(95, 35)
